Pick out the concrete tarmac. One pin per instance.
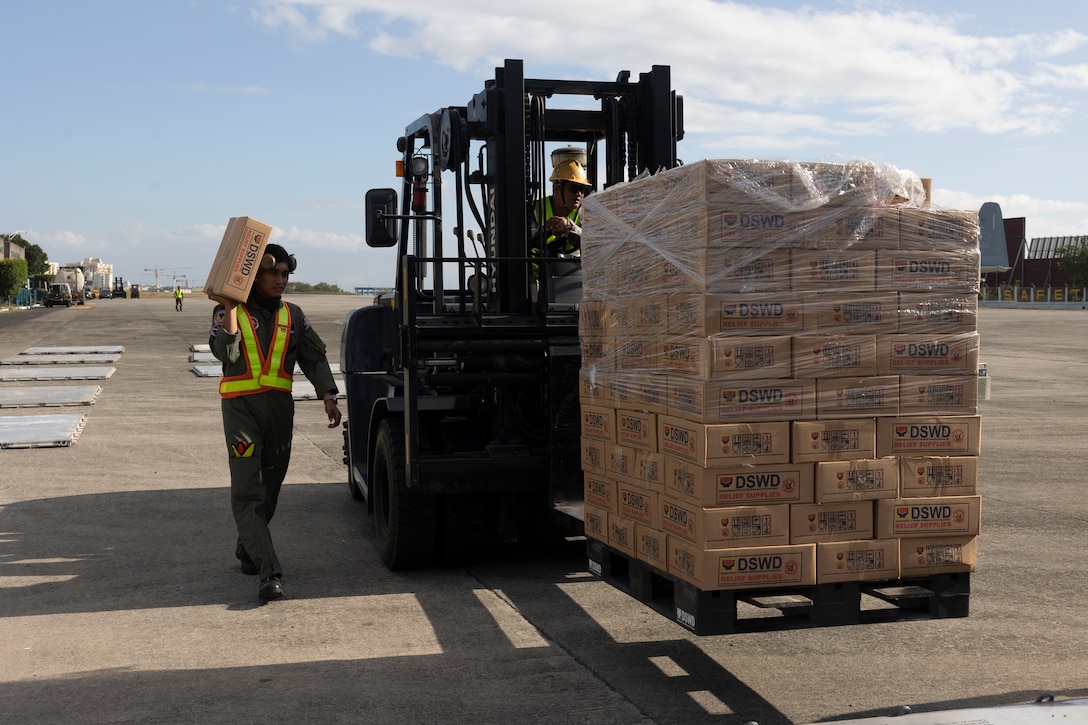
(121, 600)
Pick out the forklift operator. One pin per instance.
(555, 225)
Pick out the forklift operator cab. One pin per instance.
(563, 277)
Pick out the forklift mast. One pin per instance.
(497, 145)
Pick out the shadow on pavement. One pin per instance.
(162, 557)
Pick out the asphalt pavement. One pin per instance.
(121, 600)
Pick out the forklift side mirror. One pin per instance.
(381, 225)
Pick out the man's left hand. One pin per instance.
(333, 412)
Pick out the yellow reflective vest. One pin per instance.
(263, 372)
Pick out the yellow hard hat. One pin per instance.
(570, 170)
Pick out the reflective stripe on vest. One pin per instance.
(272, 375)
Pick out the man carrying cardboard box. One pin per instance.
(259, 342)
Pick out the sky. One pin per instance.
(132, 131)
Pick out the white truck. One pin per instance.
(68, 281)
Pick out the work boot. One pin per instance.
(270, 588)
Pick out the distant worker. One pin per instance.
(259, 343)
(177, 298)
(555, 225)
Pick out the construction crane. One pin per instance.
(170, 270)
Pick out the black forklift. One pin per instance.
(462, 388)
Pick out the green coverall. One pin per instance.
(258, 426)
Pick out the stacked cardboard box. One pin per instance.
(778, 379)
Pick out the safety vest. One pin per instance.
(544, 212)
(271, 367)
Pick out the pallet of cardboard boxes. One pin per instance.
(778, 384)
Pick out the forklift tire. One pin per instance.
(405, 521)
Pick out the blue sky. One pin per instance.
(133, 130)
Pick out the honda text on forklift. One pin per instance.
(462, 384)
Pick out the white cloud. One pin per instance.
(64, 238)
(295, 238)
(1046, 217)
(887, 69)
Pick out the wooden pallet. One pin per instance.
(822, 605)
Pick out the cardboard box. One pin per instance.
(928, 270)
(596, 352)
(821, 523)
(686, 355)
(938, 516)
(921, 477)
(736, 526)
(938, 395)
(736, 314)
(846, 397)
(851, 561)
(937, 313)
(834, 440)
(940, 229)
(594, 455)
(834, 356)
(716, 487)
(758, 225)
(751, 358)
(600, 491)
(596, 522)
(725, 357)
(637, 429)
(621, 534)
(949, 555)
(619, 461)
(736, 444)
(645, 315)
(833, 269)
(598, 423)
(928, 354)
(735, 268)
(634, 352)
(638, 504)
(742, 400)
(595, 318)
(238, 259)
(631, 278)
(854, 313)
(929, 435)
(595, 387)
(852, 227)
(729, 526)
(856, 480)
(679, 275)
(650, 470)
(639, 390)
(651, 546)
(748, 568)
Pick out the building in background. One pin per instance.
(13, 251)
(1034, 262)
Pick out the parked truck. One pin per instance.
(71, 278)
(462, 384)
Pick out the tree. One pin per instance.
(1074, 262)
(36, 258)
(37, 261)
(12, 277)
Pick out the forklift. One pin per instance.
(462, 385)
